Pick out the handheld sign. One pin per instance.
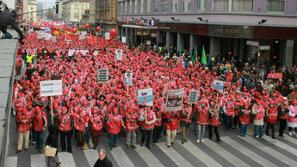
(174, 100)
(119, 54)
(107, 36)
(124, 39)
(51, 88)
(71, 52)
(145, 97)
(218, 85)
(193, 96)
(103, 75)
(128, 78)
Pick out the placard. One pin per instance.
(145, 97)
(128, 78)
(124, 39)
(277, 75)
(96, 52)
(107, 36)
(71, 52)
(174, 100)
(193, 96)
(103, 75)
(218, 85)
(119, 54)
(51, 88)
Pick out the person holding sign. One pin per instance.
(185, 119)
(147, 118)
(114, 126)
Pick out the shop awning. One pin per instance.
(139, 27)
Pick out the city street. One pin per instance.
(232, 151)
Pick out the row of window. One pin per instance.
(186, 6)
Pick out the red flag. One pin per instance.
(180, 65)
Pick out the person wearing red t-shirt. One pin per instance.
(147, 118)
(96, 123)
(185, 119)
(131, 118)
(24, 122)
(39, 125)
(172, 122)
(114, 126)
(244, 120)
(271, 115)
(65, 129)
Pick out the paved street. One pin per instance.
(232, 151)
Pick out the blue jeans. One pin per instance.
(243, 130)
(201, 131)
(258, 130)
(112, 139)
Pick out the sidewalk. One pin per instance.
(7, 55)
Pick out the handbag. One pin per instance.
(50, 151)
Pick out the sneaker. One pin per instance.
(257, 137)
(168, 146)
(290, 134)
(198, 141)
(133, 146)
(202, 140)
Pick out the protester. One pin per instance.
(202, 120)
(131, 119)
(24, 122)
(52, 141)
(292, 120)
(65, 129)
(244, 120)
(271, 115)
(96, 121)
(258, 111)
(147, 118)
(172, 124)
(185, 117)
(39, 126)
(282, 115)
(214, 121)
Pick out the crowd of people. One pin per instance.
(88, 109)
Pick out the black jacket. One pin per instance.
(104, 163)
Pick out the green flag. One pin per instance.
(180, 52)
(194, 56)
(203, 58)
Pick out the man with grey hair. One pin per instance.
(103, 161)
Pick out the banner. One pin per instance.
(71, 52)
(218, 85)
(193, 96)
(128, 78)
(51, 88)
(174, 100)
(145, 97)
(107, 36)
(103, 75)
(118, 54)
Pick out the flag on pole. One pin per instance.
(204, 58)
(180, 65)
(194, 56)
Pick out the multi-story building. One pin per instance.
(107, 13)
(244, 30)
(74, 9)
(92, 14)
(11, 4)
(29, 11)
(20, 9)
(59, 9)
(39, 9)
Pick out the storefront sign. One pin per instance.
(252, 43)
(265, 47)
(230, 31)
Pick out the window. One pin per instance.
(220, 5)
(175, 6)
(141, 6)
(164, 5)
(186, 5)
(148, 3)
(275, 5)
(155, 5)
(200, 5)
(242, 5)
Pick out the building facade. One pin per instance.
(11, 4)
(244, 30)
(29, 11)
(107, 13)
(73, 10)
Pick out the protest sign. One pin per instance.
(71, 52)
(145, 97)
(107, 36)
(128, 78)
(103, 75)
(51, 88)
(218, 85)
(275, 75)
(193, 96)
(96, 52)
(118, 54)
(124, 39)
(174, 100)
